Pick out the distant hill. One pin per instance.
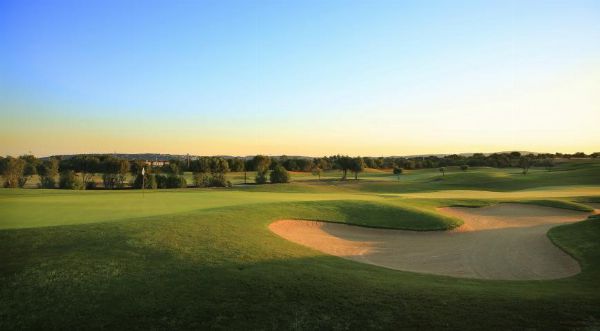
(467, 154)
(160, 156)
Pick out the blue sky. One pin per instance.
(305, 77)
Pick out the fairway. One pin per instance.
(207, 258)
(332, 165)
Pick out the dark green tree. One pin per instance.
(48, 170)
(70, 181)
(261, 164)
(357, 165)
(397, 171)
(12, 171)
(279, 175)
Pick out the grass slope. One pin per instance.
(200, 259)
(222, 269)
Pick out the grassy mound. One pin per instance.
(580, 240)
(563, 204)
(489, 179)
(379, 215)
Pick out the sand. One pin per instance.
(502, 242)
(596, 206)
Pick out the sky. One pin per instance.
(308, 77)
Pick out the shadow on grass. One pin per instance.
(223, 269)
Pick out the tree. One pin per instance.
(443, 171)
(148, 180)
(201, 179)
(548, 164)
(398, 171)
(48, 170)
(357, 165)
(86, 165)
(344, 163)
(30, 169)
(261, 164)
(137, 166)
(12, 171)
(201, 165)
(525, 164)
(236, 164)
(69, 180)
(171, 168)
(261, 177)
(161, 181)
(279, 175)
(176, 181)
(316, 171)
(218, 165)
(90, 166)
(218, 180)
(115, 172)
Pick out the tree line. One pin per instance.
(79, 171)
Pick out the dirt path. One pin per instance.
(505, 241)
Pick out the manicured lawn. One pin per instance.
(204, 258)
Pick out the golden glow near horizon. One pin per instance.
(514, 76)
(559, 114)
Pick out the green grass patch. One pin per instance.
(205, 258)
(381, 215)
(580, 240)
(563, 204)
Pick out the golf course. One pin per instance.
(486, 248)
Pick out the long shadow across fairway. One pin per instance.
(223, 269)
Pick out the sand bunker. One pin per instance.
(504, 241)
(596, 206)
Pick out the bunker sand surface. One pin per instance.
(502, 242)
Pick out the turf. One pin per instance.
(204, 258)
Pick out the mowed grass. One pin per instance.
(205, 259)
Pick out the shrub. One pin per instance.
(161, 181)
(149, 181)
(109, 181)
(91, 185)
(218, 180)
(201, 179)
(12, 170)
(279, 175)
(174, 181)
(48, 170)
(464, 167)
(261, 177)
(69, 180)
(22, 181)
(47, 182)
